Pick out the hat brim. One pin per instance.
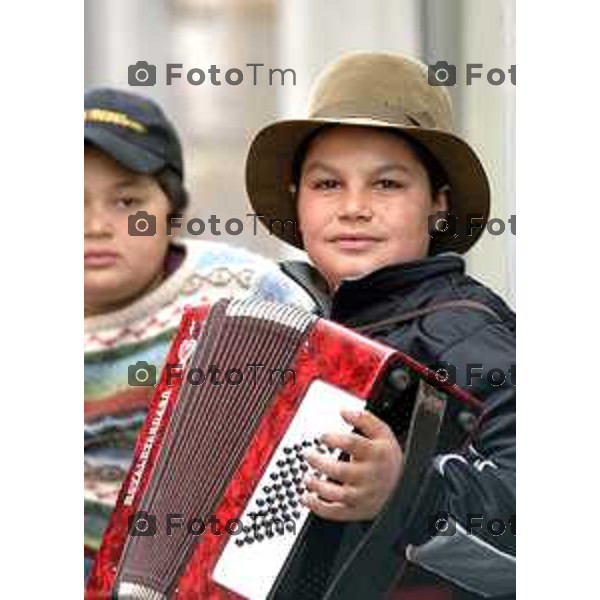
(131, 156)
(273, 150)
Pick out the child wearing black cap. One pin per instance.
(138, 279)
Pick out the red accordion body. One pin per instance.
(321, 352)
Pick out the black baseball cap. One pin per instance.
(133, 130)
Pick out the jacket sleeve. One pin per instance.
(464, 530)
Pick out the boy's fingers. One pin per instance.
(331, 492)
(344, 472)
(356, 445)
(333, 511)
(367, 423)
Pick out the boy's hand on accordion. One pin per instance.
(361, 486)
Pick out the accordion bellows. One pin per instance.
(247, 387)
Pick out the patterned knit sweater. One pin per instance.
(119, 344)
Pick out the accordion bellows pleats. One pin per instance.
(231, 448)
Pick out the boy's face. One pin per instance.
(364, 200)
(119, 267)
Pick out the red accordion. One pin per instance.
(209, 508)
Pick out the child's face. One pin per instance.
(119, 267)
(363, 202)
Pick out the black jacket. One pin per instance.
(474, 485)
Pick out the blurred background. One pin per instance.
(216, 123)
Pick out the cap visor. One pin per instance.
(131, 156)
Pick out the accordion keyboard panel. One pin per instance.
(252, 560)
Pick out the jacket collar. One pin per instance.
(353, 295)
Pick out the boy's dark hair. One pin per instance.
(171, 184)
(435, 172)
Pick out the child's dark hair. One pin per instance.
(170, 182)
(435, 172)
(172, 185)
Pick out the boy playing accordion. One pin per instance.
(381, 190)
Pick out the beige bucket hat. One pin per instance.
(372, 89)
